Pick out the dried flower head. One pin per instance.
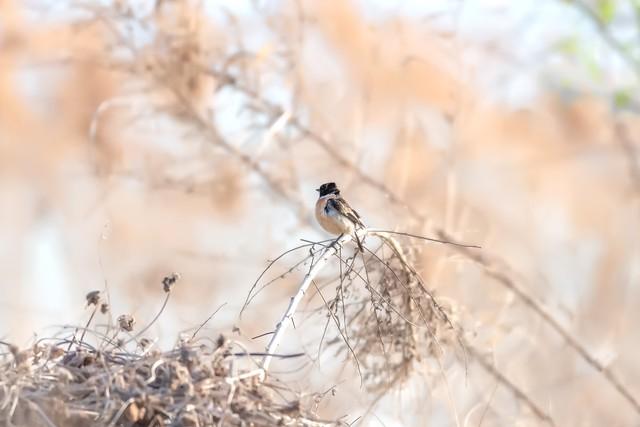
(126, 322)
(93, 298)
(55, 352)
(169, 281)
(104, 308)
(13, 349)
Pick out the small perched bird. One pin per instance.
(334, 213)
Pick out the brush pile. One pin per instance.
(47, 385)
(117, 379)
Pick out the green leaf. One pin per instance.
(622, 98)
(636, 9)
(568, 46)
(606, 10)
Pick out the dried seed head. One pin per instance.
(169, 281)
(126, 322)
(89, 359)
(55, 352)
(221, 341)
(93, 298)
(15, 350)
(104, 308)
(21, 357)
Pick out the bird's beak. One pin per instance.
(318, 190)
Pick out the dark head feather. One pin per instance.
(328, 188)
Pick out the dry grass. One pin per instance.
(191, 385)
(190, 134)
(200, 382)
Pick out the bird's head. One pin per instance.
(328, 188)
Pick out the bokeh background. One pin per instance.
(140, 138)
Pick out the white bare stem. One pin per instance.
(295, 300)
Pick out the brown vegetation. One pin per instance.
(189, 136)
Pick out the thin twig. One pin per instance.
(206, 321)
(271, 263)
(344, 337)
(95, 309)
(415, 236)
(157, 316)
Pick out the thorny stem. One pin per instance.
(295, 300)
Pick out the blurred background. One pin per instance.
(140, 138)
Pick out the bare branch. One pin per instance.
(295, 300)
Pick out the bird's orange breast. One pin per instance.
(331, 224)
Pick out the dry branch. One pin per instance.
(295, 300)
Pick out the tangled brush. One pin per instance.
(200, 382)
(388, 318)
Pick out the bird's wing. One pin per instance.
(343, 207)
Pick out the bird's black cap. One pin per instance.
(328, 188)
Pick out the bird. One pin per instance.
(335, 215)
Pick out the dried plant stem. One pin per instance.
(295, 300)
(207, 321)
(95, 309)
(73, 340)
(157, 316)
(251, 295)
(572, 341)
(517, 392)
(380, 232)
(342, 334)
